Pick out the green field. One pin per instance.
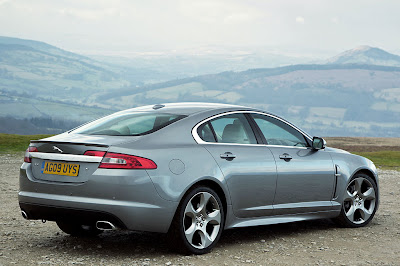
(383, 159)
(17, 143)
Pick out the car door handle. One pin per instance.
(228, 156)
(285, 157)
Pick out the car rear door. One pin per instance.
(249, 169)
(305, 176)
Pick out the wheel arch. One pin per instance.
(367, 172)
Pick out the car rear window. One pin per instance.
(128, 124)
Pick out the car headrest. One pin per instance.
(232, 134)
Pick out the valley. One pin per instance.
(347, 95)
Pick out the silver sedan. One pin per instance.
(192, 170)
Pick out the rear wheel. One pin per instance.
(359, 202)
(198, 222)
(76, 229)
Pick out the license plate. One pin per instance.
(69, 169)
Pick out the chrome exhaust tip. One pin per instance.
(25, 215)
(105, 226)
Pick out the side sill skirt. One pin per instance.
(234, 222)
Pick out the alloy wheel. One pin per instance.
(359, 200)
(202, 220)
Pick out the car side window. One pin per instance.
(205, 133)
(233, 128)
(277, 132)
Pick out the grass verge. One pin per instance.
(17, 143)
(383, 159)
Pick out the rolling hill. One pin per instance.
(40, 70)
(348, 99)
(348, 95)
(41, 81)
(37, 69)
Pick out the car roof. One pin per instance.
(186, 108)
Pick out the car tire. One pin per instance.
(198, 222)
(79, 230)
(360, 202)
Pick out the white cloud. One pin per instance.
(136, 25)
(2, 2)
(335, 20)
(237, 18)
(89, 14)
(227, 12)
(300, 20)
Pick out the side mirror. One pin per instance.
(318, 143)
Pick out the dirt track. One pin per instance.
(315, 242)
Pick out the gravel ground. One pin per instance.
(313, 242)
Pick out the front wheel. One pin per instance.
(198, 222)
(360, 202)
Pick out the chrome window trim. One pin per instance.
(256, 145)
(65, 157)
(200, 141)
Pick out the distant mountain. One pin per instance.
(54, 89)
(366, 55)
(41, 70)
(329, 100)
(43, 47)
(209, 60)
(44, 87)
(38, 69)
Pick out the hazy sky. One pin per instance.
(151, 25)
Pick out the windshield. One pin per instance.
(128, 124)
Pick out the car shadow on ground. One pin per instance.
(131, 244)
(268, 233)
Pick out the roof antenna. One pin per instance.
(158, 106)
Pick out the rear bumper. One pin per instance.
(127, 199)
(54, 213)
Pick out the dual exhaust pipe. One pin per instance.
(101, 225)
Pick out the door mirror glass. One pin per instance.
(318, 143)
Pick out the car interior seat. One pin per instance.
(232, 133)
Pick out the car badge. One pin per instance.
(57, 148)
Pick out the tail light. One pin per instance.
(122, 161)
(95, 153)
(27, 157)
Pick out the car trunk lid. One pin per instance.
(61, 158)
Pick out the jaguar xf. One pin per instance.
(192, 170)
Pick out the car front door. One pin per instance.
(249, 169)
(305, 176)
